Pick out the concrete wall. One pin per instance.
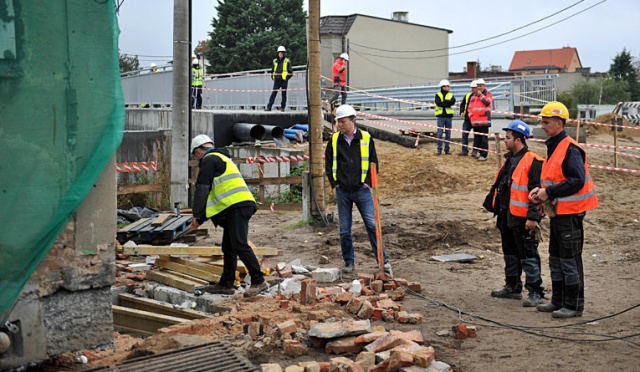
(66, 304)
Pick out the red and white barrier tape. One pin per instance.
(276, 159)
(636, 171)
(249, 90)
(140, 166)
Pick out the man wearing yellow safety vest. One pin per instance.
(567, 192)
(281, 73)
(197, 74)
(348, 156)
(223, 196)
(444, 114)
(518, 217)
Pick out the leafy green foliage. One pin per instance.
(128, 63)
(294, 194)
(622, 69)
(589, 92)
(247, 33)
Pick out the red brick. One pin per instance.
(401, 282)
(460, 331)
(388, 305)
(388, 315)
(366, 359)
(471, 331)
(383, 343)
(344, 297)
(415, 318)
(318, 315)
(324, 366)
(354, 305)
(366, 310)
(383, 296)
(370, 337)
(343, 345)
(286, 274)
(377, 315)
(294, 347)
(415, 286)
(382, 367)
(413, 335)
(284, 304)
(310, 366)
(383, 277)
(390, 286)
(254, 330)
(402, 317)
(377, 286)
(288, 326)
(400, 359)
(308, 295)
(397, 295)
(246, 319)
(341, 364)
(424, 356)
(365, 279)
(367, 292)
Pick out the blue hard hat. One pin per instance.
(520, 127)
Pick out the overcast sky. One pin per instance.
(598, 33)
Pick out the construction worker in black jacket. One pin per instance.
(281, 73)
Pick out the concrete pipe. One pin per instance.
(273, 131)
(248, 131)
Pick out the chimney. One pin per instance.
(401, 16)
(472, 69)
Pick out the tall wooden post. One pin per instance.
(315, 110)
(614, 121)
(578, 128)
(498, 150)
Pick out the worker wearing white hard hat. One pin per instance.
(154, 68)
(466, 123)
(222, 195)
(444, 101)
(281, 73)
(479, 108)
(348, 158)
(339, 76)
(197, 79)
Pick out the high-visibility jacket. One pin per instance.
(227, 189)
(585, 199)
(339, 72)
(480, 109)
(519, 189)
(285, 66)
(466, 104)
(448, 110)
(364, 155)
(196, 80)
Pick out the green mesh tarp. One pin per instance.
(61, 120)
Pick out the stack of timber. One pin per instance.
(187, 268)
(163, 229)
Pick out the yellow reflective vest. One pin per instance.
(198, 72)
(449, 110)
(227, 189)
(285, 72)
(364, 155)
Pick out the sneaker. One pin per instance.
(348, 269)
(534, 299)
(214, 289)
(566, 313)
(482, 158)
(548, 307)
(388, 270)
(256, 289)
(506, 292)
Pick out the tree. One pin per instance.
(622, 69)
(247, 33)
(128, 63)
(600, 91)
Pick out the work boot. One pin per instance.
(549, 307)
(256, 289)
(348, 269)
(268, 109)
(533, 299)
(506, 292)
(214, 289)
(463, 154)
(388, 270)
(282, 109)
(566, 313)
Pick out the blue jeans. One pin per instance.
(444, 123)
(466, 126)
(363, 199)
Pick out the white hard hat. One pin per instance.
(344, 56)
(153, 65)
(344, 111)
(195, 61)
(200, 140)
(193, 56)
(473, 84)
(444, 82)
(480, 81)
(281, 49)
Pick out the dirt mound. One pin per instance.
(626, 132)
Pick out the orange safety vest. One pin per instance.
(585, 199)
(519, 194)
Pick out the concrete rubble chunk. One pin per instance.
(340, 329)
(366, 310)
(310, 366)
(436, 366)
(366, 359)
(354, 305)
(294, 347)
(326, 275)
(400, 359)
(270, 367)
(294, 369)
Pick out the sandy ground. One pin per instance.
(431, 205)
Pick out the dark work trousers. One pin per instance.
(483, 140)
(235, 245)
(339, 90)
(527, 251)
(196, 97)
(565, 261)
(512, 267)
(466, 126)
(278, 84)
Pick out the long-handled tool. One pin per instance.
(376, 214)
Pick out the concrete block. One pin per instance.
(270, 367)
(294, 369)
(377, 286)
(326, 275)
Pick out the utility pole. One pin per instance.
(180, 103)
(315, 110)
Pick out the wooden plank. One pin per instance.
(133, 226)
(204, 266)
(189, 270)
(296, 180)
(147, 304)
(220, 264)
(133, 331)
(187, 277)
(142, 320)
(136, 189)
(196, 250)
(161, 219)
(173, 280)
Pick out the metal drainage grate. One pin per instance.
(211, 357)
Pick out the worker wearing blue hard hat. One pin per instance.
(518, 217)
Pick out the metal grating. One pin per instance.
(211, 357)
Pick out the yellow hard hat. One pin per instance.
(555, 108)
